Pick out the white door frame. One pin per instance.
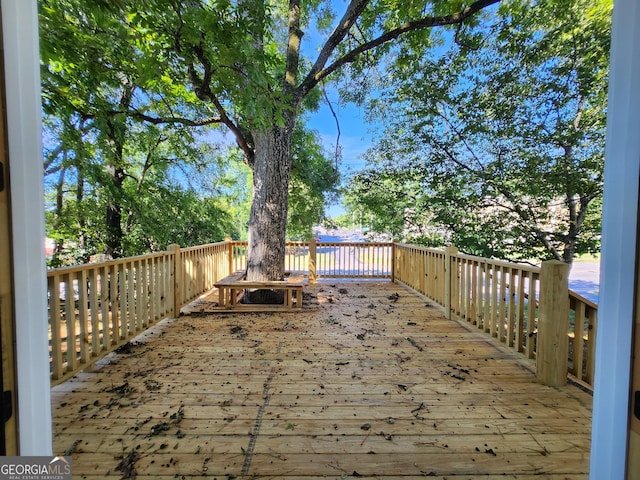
(618, 261)
(22, 78)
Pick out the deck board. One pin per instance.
(359, 384)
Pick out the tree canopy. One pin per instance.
(494, 139)
(134, 160)
(241, 65)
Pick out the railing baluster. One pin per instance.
(502, 315)
(105, 301)
(462, 290)
(115, 304)
(83, 317)
(520, 318)
(164, 288)
(495, 281)
(55, 323)
(70, 320)
(131, 303)
(511, 318)
(143, 297)
(486, 323)
(154, 290)
(124, 295)
(592, 316)
(95, 319)
(479, 299)
(473, 293)
(532, 315)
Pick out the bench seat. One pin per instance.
(230, 286)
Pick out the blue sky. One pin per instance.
(355, 137)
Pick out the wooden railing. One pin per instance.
(95, 308)
(330, 259)
(422, 269)
(198, 268)
(502, 299)
(353, 260)
(495, 296)
(296, 256)
(583, 326)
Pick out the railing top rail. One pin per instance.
(355, 244)
(500, 263)
(582, 299)
(464, 256)
(201, 247)
(420, 248)
(244, 243)
(91, 266)
(321, 242)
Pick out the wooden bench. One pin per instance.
(230, 286)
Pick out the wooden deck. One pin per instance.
(367, 381)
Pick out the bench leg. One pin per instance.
(299, 297)
(221, 297)
(234, 294)
(288, 298)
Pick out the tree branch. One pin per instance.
(515, 205)
(241, 138)
(202, 88)
(293, 47)
(354, 10)
(319, 72)
(462, 138)
(138, 115)
(335, 117)
(203, 92)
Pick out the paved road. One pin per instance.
(585, 279)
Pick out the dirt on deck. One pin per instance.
(368, 380)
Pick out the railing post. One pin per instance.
(312, 261)
(449, 253)
(177, 279)
(552, 356)
(229, 254)
(394, 262)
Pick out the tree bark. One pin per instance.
(58, 248)
(116, 137)
(81, 216)
(113, 217)
(269, 207)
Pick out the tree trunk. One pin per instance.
(113, 217)
(80, 213)
(269, 207)
(116, 133)
(56, 260)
